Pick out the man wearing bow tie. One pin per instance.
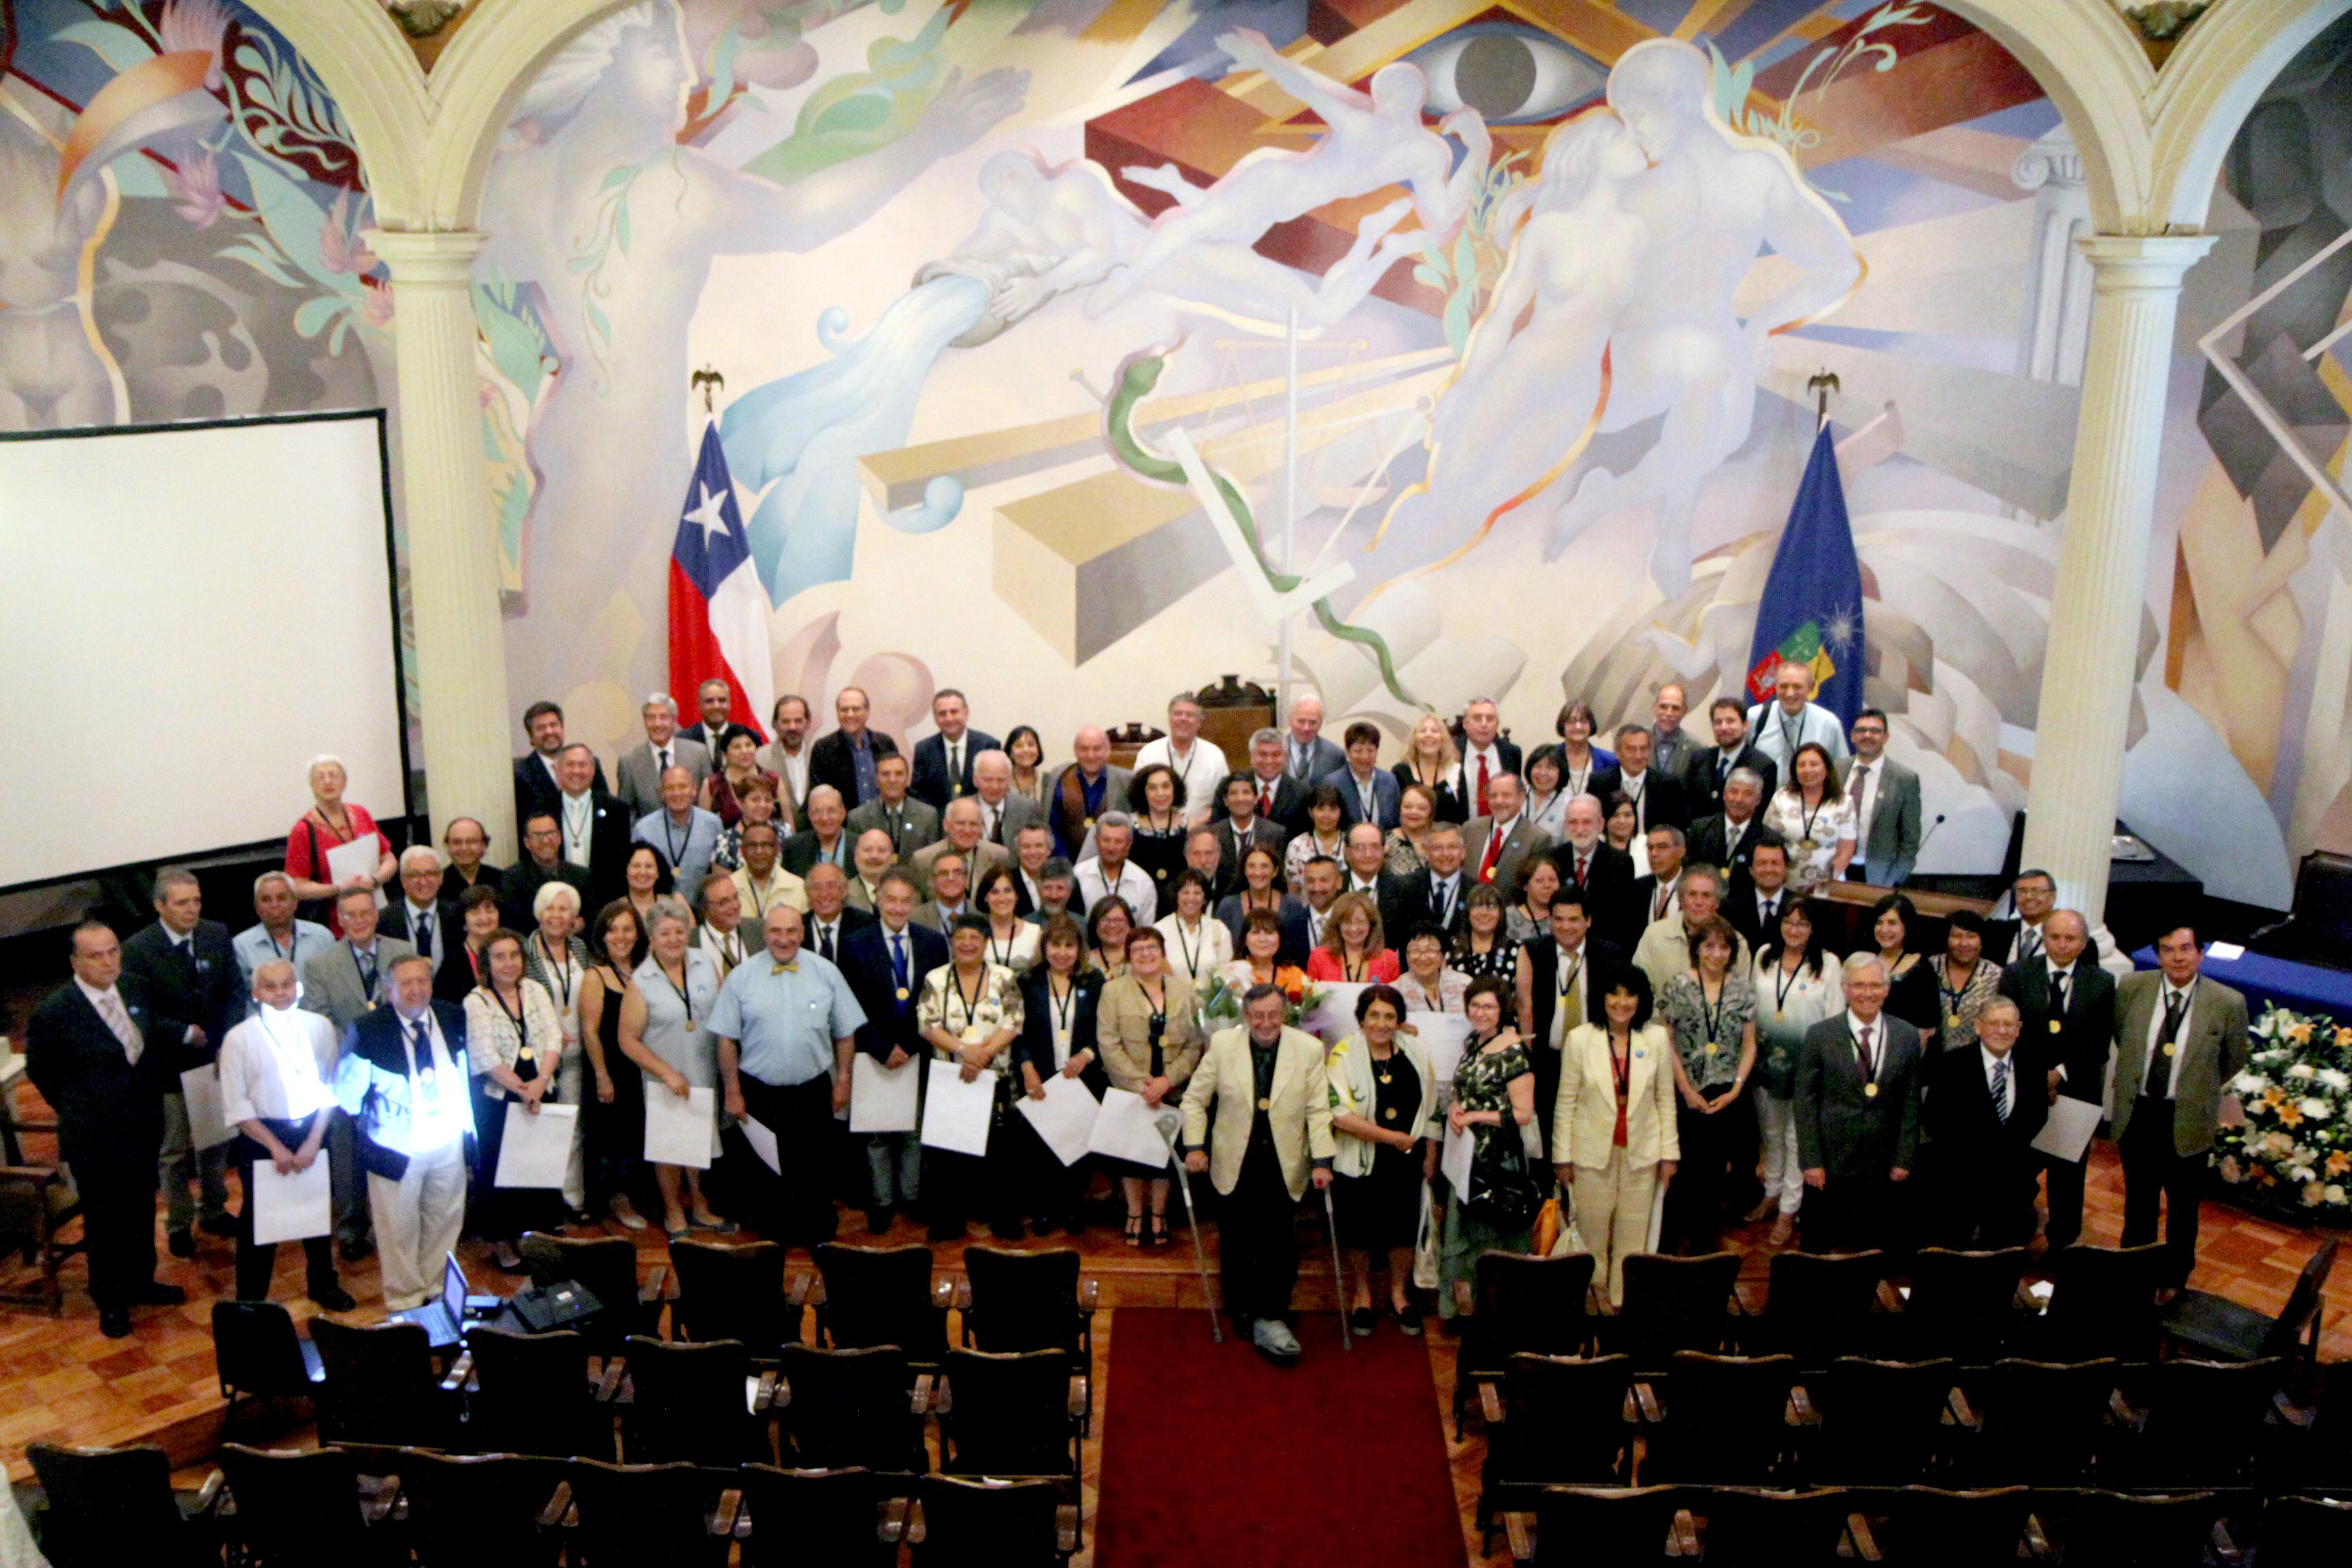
(188, 970)
(102, 1060)
(785, 1022)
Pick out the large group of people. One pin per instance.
(1650, 1025)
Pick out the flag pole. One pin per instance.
(1823, 382)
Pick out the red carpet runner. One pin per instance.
(1212, 1459)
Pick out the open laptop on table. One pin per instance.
(443, 1317)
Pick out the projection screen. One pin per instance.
(188, 614)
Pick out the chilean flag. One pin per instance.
(718, 611)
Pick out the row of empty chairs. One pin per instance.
(1972, 1306)
(1926, 1526)
(359, 1507)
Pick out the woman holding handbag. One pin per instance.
(1495, 1107)
(1613, 1136)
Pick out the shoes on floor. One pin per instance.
(879, 1220)
(114, 1322)
(1275, 1340)
(507, 1258)
(713, 1224)
(358, 1249)
(626, 1214)
(155, 1293)
(1360, 1322)
(1408, 1319)
(183, 1243)
(1783, 1230)
(333, 1299)
(221, 1225)
(1765, 1209)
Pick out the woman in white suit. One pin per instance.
(1614, 1140)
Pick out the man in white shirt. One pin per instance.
(760, 880)
(1793, 719)
(1110, 871)
(278, 933)
(276, 1088)
(1201, 765)
(664, 748)
(685, 834)
(1486, 756)
(787, 756)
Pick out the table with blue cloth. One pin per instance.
(2306, 988)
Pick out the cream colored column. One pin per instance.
(461, 669)
(2094, 610)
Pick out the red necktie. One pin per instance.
(1862, 1055)
(1583, 861)
(1482, 789)
(1494, 853)
(1265, 799)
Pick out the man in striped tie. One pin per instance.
(1981, 1118)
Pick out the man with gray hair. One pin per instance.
(1281, 799)
(185, 966)
(421, 918)
(276, 1073)
(279, 932)
(964, 820)
(1857, 1114)
(1729, 836)
(1091, 786)
(664, 748)
(1002, 814)
(1200, 764)
(1110, 873)
(1980, 1116)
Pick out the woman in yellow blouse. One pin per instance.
(1150, 1046)
(1612, 1135)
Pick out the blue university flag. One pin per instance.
(1812, 609)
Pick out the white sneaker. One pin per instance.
(1273, 1338)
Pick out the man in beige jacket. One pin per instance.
(1272, 1124)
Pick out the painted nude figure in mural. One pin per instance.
(50, 377)
(616, 227)
(1200, 249)
(1047, 229)
(1710, 201)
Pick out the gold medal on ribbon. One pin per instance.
(1713, 1049)
(1951, 1020)
(1265, 1104)
(902, 994)
(691, 1026)
(2055, 1025)
(2170, 1050)
(1869, 1091)
(526, 1054)
(1389, 1114)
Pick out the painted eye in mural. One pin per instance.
(1510, 73)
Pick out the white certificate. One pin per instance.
(956, 1114)
(1455, 1165)
(291, 1208)
(1127, 1128)
(763, 1144)
(357, 859)
(200, 1088)
(678, 1131)
(1064, 1119)
(883, 1100)
(1442, 1036)
(2067, 1135)
(536, 1151)
(1334, 1018)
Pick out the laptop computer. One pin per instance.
(443, 1318)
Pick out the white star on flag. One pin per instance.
(705, 516)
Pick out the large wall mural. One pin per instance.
(1490, 324)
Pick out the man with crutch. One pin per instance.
(1272, 1131)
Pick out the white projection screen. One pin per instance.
(188, 614)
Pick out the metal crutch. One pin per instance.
(1339, 1274)
(1192, 1222)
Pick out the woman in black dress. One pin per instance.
(1383, 1115)
(1911, 984)
(1057, 1035)
(1156, 797)
(614, 1107)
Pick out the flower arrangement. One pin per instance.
(2294, 1150)
(1219, 1002)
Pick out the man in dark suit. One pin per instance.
(827, 838)
(1239, 828)
(1981, 1119)
(714, 707)
(1443, 884)
(1705, 774)
(1562, 978)
(2069, 1007)
(1857, 1113)
(830, 922)
(885, 964)
(1368, 791)
(1657, 795)
(2179, 1039)
(1602, 873)
(1307, 753)
(1758, 895)
(185, 967)
(943, 762)
(401, 1082)
(1486, 755)
(596, 829)
(535, 785)
(845, 758)
(543, 862)
(99, 1057)
(1281, 799)
(431, 925)
(642, 765)
(1731, 835)
(467, 842)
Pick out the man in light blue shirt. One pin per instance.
(279, 937)
(785, 1025)
(685, 834)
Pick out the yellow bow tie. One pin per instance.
(792, 968)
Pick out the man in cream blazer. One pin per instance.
(1611, 1189)
(1272, 1124)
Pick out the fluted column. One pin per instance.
(2087, 668)
(461, 671)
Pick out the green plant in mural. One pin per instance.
(1465, 273)
(853, 114)
(608, 239)
(518, 359)
(1732, 83)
